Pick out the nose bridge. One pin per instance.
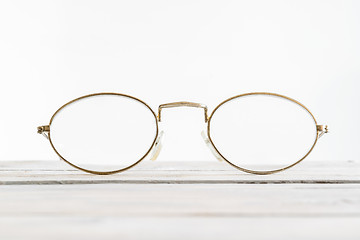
(183, 104)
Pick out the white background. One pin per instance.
(164, 51)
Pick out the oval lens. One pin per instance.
(103, 132)
(262, 132)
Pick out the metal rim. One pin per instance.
(262, 93)
(98, 94)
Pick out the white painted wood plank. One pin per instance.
(57, 172)
(129, 228)
(173, 211)
(183, 208)
(187, 200)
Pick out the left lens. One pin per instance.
(103, 132)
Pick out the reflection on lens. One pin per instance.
(106, 132)
(262, 132)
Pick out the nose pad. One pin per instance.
(157, 147)
(210, 146)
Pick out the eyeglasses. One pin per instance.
(258, 133)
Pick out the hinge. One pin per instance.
(43, 129)
(322, 129)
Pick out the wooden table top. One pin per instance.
(177, 200)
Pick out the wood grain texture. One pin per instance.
(161, 200)
(58, 172)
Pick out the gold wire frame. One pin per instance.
(99, 172)
(320, 129)
(317, 129)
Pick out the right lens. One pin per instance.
(262, 132)
(103, 132)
